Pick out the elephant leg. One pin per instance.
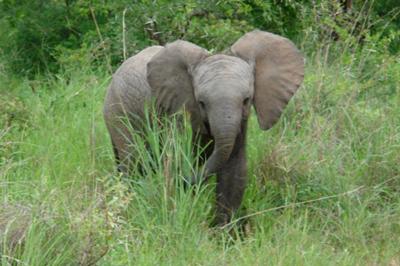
(202, 143)
(121, 138)
(115, 150)
(231, 181)
(205, 142)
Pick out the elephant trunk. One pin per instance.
(225, 126)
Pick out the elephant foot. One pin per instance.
(237, 228)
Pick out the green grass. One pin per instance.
(340, 134)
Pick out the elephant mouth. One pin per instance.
(207, 126)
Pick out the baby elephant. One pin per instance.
(261, 69)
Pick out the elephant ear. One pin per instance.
(169, 75)
(279, 71)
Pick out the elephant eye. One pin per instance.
(202, 105)
(246, 101)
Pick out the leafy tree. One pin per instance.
(49, 35)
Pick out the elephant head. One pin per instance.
(262, 69)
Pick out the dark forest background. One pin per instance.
(51, 35)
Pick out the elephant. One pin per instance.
(260, 69)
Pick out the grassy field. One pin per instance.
(324, 183)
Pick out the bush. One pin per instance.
(47, 36)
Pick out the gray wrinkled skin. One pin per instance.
(263, 70)
(126, 96)
(223, 83)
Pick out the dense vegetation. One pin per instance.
(49, 36)
(324, 182)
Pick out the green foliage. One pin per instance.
(49, 36)
(386, 17)
(13, 112)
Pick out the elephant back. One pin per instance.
(129, 89)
